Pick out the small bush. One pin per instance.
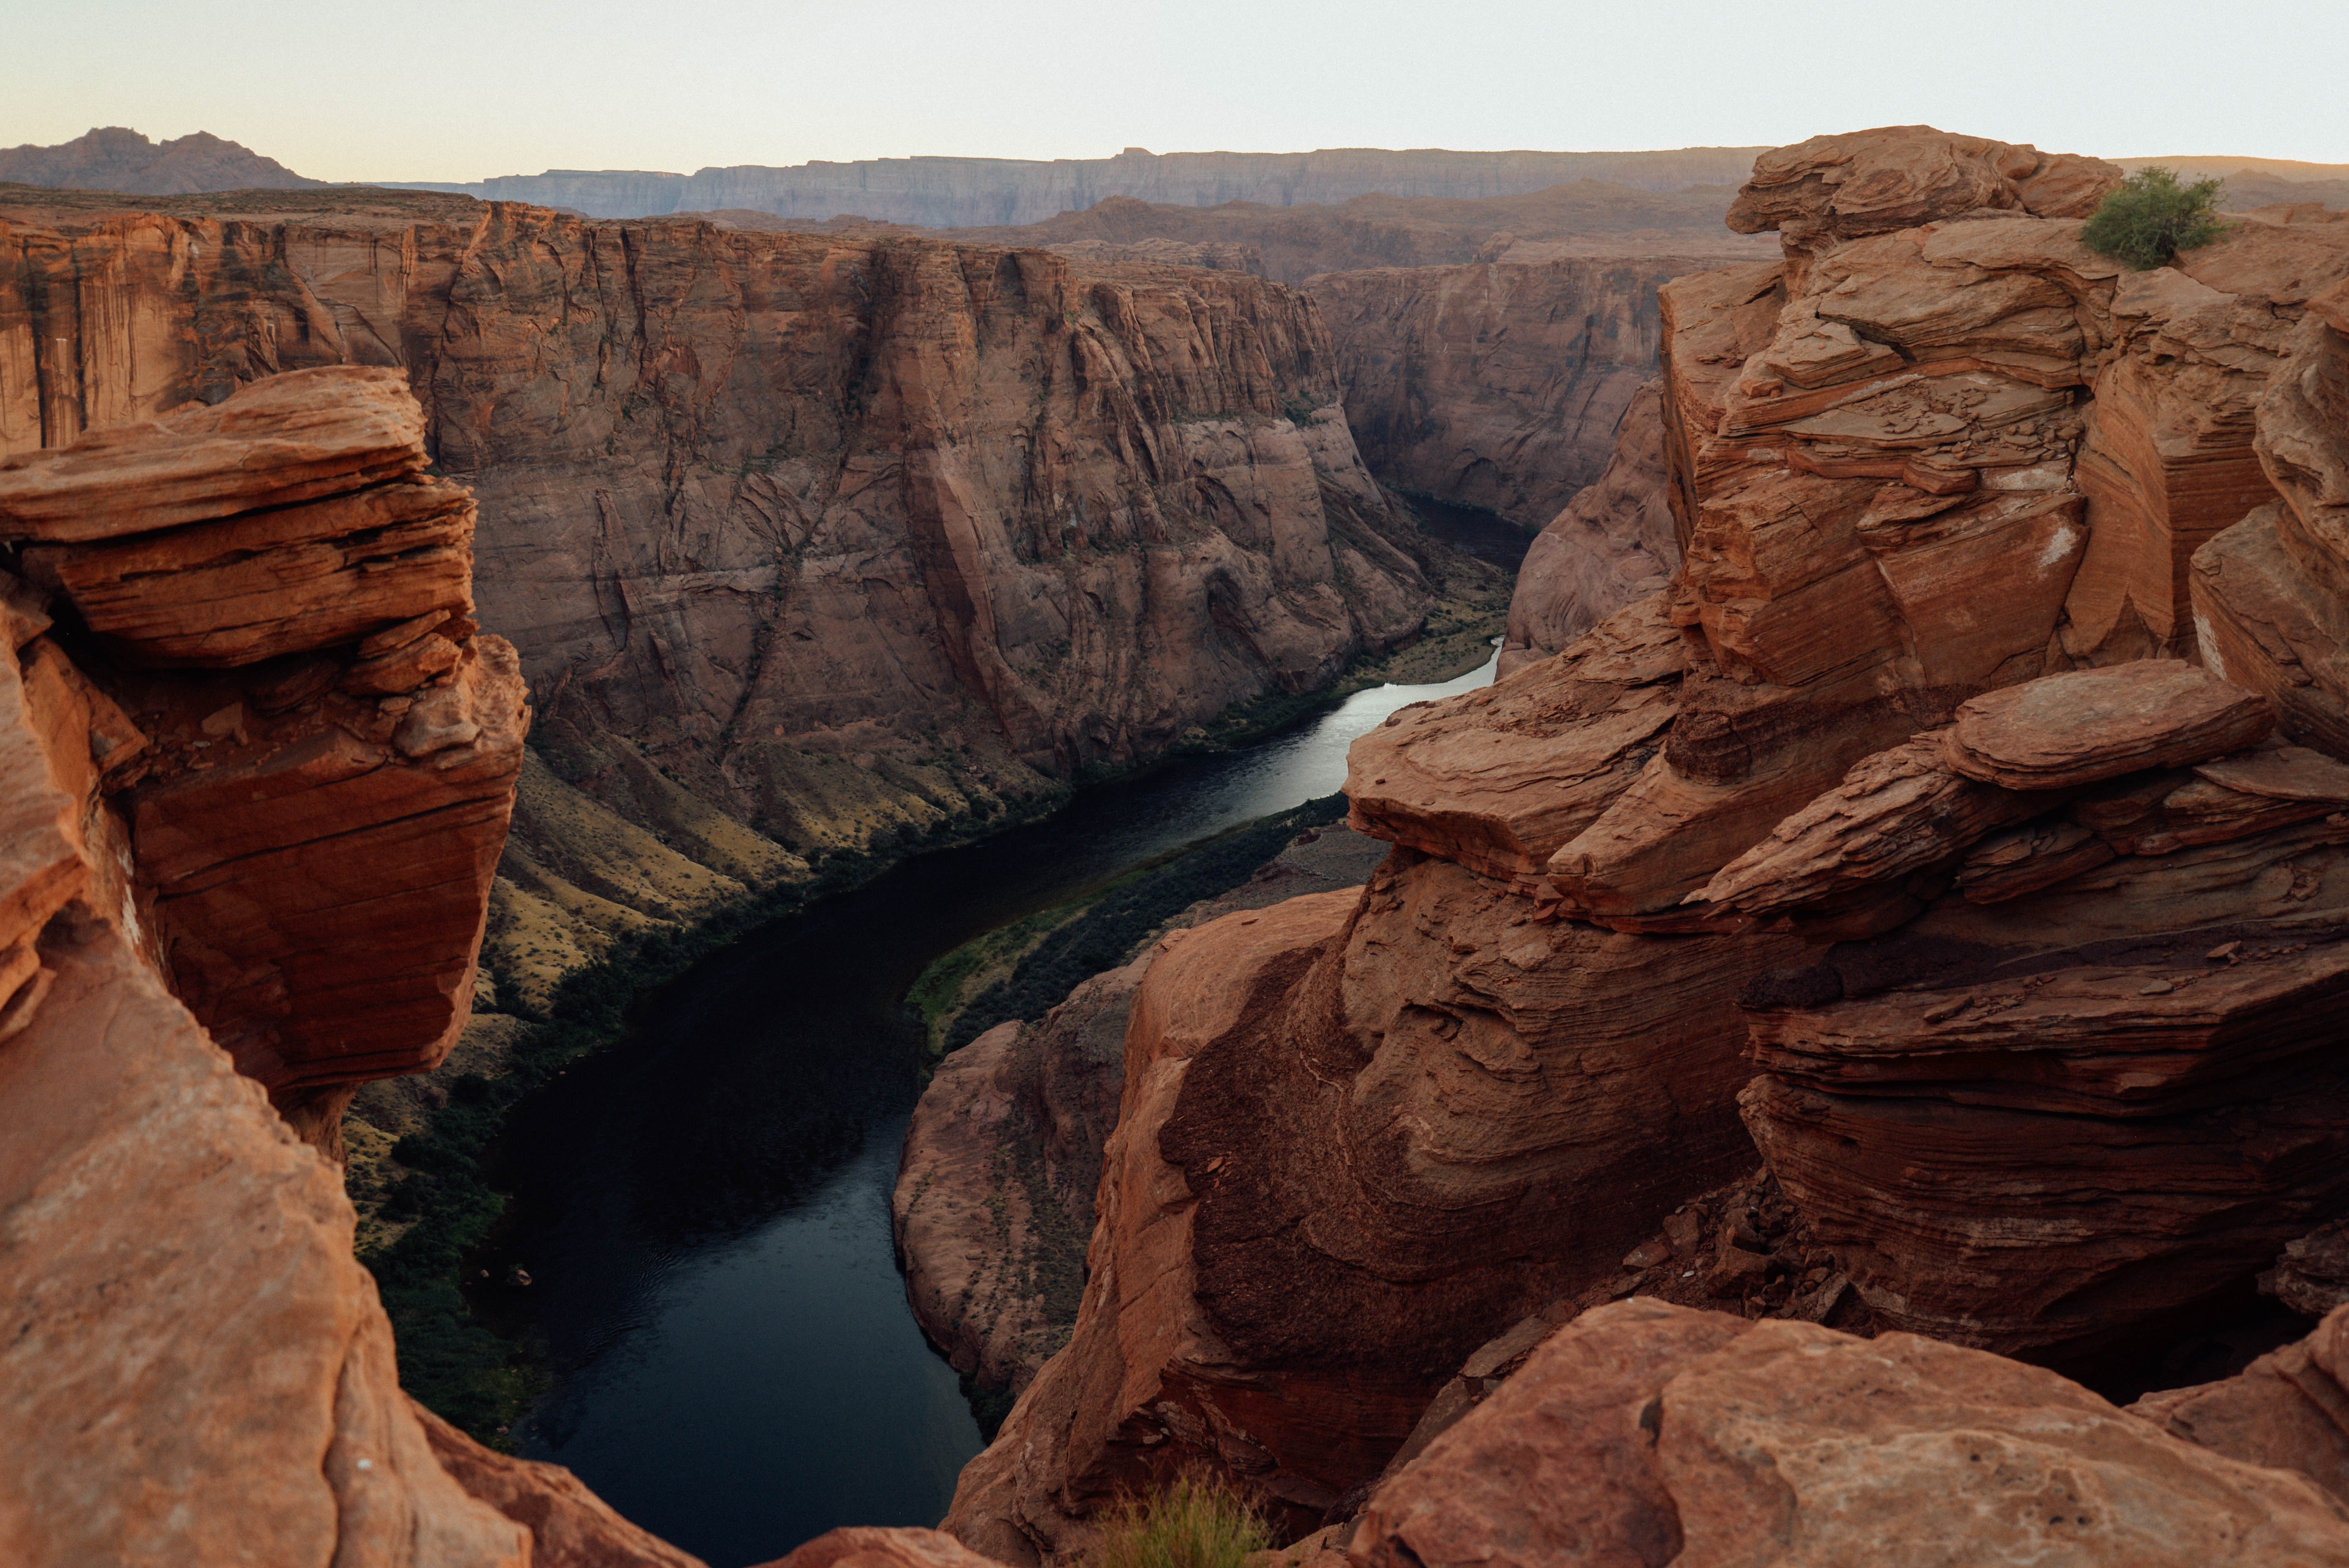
(2152, 217)
(1197, 1523)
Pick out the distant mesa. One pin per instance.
(115, 158)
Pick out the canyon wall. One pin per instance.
(257, 763)
(849, 540)
(1501, 384)
(1899, 784)
(1612, 545)
(961, 192)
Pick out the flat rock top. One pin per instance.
(2066, 730)
(291, 437)
(2287, 773)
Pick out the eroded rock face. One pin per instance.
(1646, 1434)
(199, 1370)
(236, 874)
(311, 751)
(1614, 544)
(994, 1200)
(1984, 950)
(846, 496)
(1832, 188)
(1498, 386)
(1468, 1132)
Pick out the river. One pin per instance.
(704, 1209)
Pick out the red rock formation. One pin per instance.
(112, 158)
(294, 836)
(782, 508)
(1614, 544)
(569, 1526)
(328, 939)
(1874, 457)
(2287, 1410)
(1823, 192)
(2271, 593)
(1647, 1434)
(994, 1200)
(875, 1548)
(1498, 386)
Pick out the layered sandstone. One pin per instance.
(1501, 384)
(1613, 544)
(310, 754)
(2060, 958)
(238, 871)
(855, 542)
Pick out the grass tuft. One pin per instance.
(1197, 1522)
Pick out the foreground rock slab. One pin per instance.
(1646, 1434)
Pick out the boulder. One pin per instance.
(2088, 726)
(2287, 1410)
(1645, 1434)
(1497, 779)
(2312, 1276)
(900, 1547)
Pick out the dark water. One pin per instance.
(705, 1211)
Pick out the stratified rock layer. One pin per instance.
(2039, 1013)
(1498, 386)
(855, 540)
(1614, 544)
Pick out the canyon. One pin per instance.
(1885, 839)
(1846, 1012)
(811, 545)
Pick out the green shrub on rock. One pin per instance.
(2152, 217)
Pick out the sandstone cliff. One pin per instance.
(963, 192)
(1896, 761)
(257, 763)
(851, 542)
(1612, 545)
(1498, 386)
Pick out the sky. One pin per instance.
(464, 89)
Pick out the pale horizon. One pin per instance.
(459, 94)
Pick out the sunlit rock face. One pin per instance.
(1883, 838)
